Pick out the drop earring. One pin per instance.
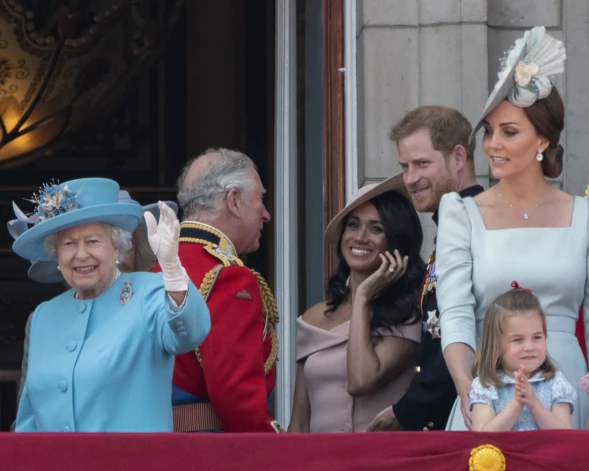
(539, 157)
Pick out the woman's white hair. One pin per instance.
(198, 199)
(121, 239)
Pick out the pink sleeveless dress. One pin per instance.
(326, 378)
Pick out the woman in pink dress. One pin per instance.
(356, 351)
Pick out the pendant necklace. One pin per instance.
(526, 216)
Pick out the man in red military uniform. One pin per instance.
(227, 383)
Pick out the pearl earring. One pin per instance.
(117, 262)
(539, 157)
(58, 268)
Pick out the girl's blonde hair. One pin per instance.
(488, 355)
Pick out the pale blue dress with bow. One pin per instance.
(103, 365)
(475, 265)
(548, 391)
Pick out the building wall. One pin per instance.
(420, 52)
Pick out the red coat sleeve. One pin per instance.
(232, 354)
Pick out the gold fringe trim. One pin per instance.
(268, 301)
(208, 282)
(269, 311)
(271, 360)
(271, 318)
(224, 243)
(198, 356)
(200, 227)
(194, 240)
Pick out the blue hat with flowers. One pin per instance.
(64, 205)
(46, 271)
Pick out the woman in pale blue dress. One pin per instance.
(520, 229)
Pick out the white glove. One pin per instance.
(163, 239)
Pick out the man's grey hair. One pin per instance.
(232, 170)
(121, 239)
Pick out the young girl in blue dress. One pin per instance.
(516, 386)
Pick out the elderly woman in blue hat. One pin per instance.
(139, 258)
(102, 354)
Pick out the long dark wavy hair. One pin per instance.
(396, 304)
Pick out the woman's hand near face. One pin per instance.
(368, 364)
(392, 268)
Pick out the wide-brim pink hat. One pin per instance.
(363, 195)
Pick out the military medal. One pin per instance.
(126, 293)
(432, 325)
(430, 280)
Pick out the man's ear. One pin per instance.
(234, 202)
(459, 156)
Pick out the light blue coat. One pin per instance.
(103, 366)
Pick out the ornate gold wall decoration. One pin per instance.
(65, 64)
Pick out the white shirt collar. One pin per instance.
(233, 251)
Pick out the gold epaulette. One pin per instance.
(587, 192)
(213, 241)
(226, 259)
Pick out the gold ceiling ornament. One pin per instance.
(486, 458)
(66, 63)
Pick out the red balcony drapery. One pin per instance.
(436, 451)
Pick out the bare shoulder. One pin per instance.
(314, 315)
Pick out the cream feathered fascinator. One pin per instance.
(528, 71)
